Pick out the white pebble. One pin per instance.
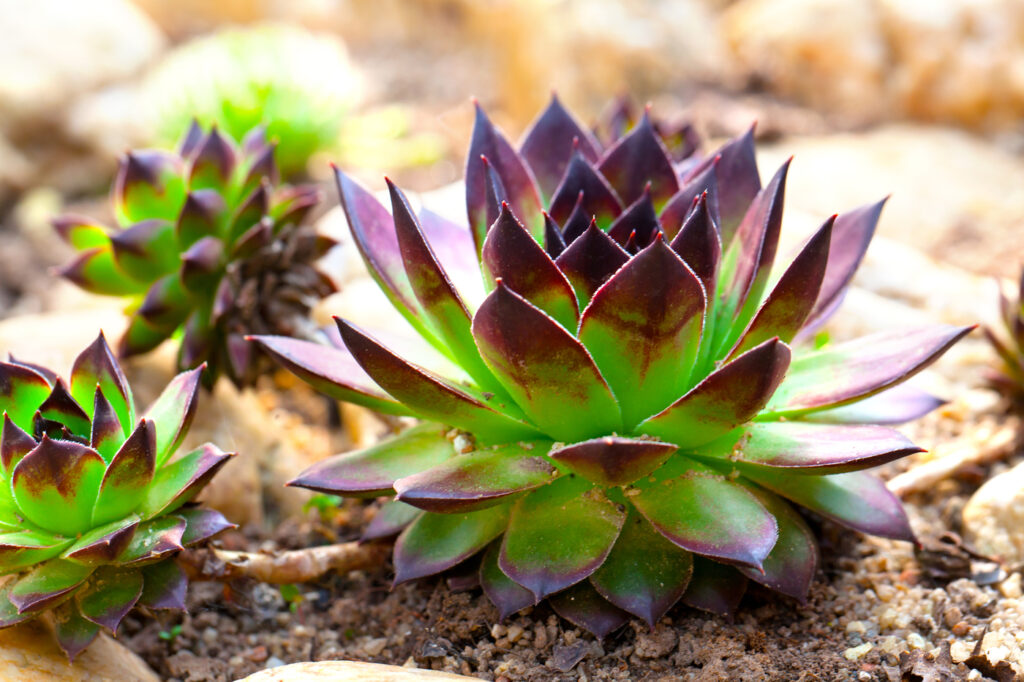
(854, 653)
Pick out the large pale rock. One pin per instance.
(994, 517)
(349, 671)
(28, 653)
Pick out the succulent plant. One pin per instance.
(1009, 343)
(299, 85)
(616, 415)
(207, 246)
(95, 504)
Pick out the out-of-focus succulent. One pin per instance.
(94, 504)
(1009, 343)
(620, 423)
(299, 85)
(207, 245)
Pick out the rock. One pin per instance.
(28, 653)
(342, 671)
(994, 517)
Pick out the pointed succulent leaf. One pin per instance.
(22, 391)
(429, 395)
(479, 479)
(599, 199)
(81, 232)
(550, 142)
(106, 434)
(201, 216)
(792, 563)
(554, 242)
(332, 371)
(60, 407)
(612, 460)
(703, 185)
(589, 261)
(47, 583)
(452, 245)
(55, 485)
(814, 448)
(20, 548)
(166, 304)
(202, 524)
(109, 595)
(391, 519)
(437, 542)
(705, 513)
(72, 631)
(639, 158)
(96, 365)
(643, 328)
(181, 480)
(202, 264)
(896, 405)
(505, 593)
(189, 142)
(171, 414)
(262, 168)
(645, 574)
(697, 243)
(251, 210)
(141, 336)
(639, 219)
(737, 180)
(496, 194)
(15, 443)
(149, 184)
(154, 540)
(714, 587)
(577, 222)
(128, 476)
(857, 500)
(9, 614)
(372, 471)
(549, 374)
(487, 141)
(146, 250)
(440, 303)
(857, 369)
(95, 270)
(164, 585)
(512, 255)
(103, 543)
(582, 606)
(726, 398)
(851, 236)
(213, 162)
(546, 557)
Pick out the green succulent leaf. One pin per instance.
(109, 595)
(22, 390)
(73, 632)
(55, 485)
(181, 480)
(436, 542)
(103, 543)
(47, 584)
(126, 481)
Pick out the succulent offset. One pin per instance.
(1009, 343)
(617, 415)
(207, 246)
(95, 504)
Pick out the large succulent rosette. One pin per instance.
(615, 416)
(209, 247)
(95, 504)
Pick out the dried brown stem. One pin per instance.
(982, 446)
(296, 566)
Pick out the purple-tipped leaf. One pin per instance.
(554, 242)
(154, 540)
(178, 482)
(599, 199)
(128, 476)
(15, 443)
(21, 548)
(81, 232)
(95, 270)
(550, 143)
(705, 513)
(47, 583)
(714, 587)
(105, 543)
(72, 632)
(702, 186)
(22, 390)
(391, 519)
(148, 185)
(639, 219)
(97, 365)
(643, 328)
(737, 180)
(213, 162)
(106, 434)
(697, 243)
(250, 212)
(549, 374)
(479, 479)
(372, 471)
(792, 563)
(645, 574)
(558, 535)
(452, 245)
(146, 250)
(612, 460)
(109, 595)
(60, 407)
(577, 222)
(164, 585)
(582, 606)
(202, 524)
(55, 485)
(639, 159)
(201, 216)
(437, 542)
(171, 414)
(726, 398)
(896, 405)
(589, 261)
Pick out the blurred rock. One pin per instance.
(29, 653)
(994, 517)
(349, 671)
(958, 61)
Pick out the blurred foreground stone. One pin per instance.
(29, 653)
(349, 671)
(994, 517)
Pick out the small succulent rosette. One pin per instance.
(617, 417)
(95, 504)
(1008, 343)
(208, 247)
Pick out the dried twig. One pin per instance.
(296, 566)
(980, 447)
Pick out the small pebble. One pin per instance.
(961, 629)
(916, 641)
(858, 627)
(854, 653)
(374, 646)
(273, 662)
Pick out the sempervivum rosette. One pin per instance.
(616, 419)
(95, 504)
(208, 245)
